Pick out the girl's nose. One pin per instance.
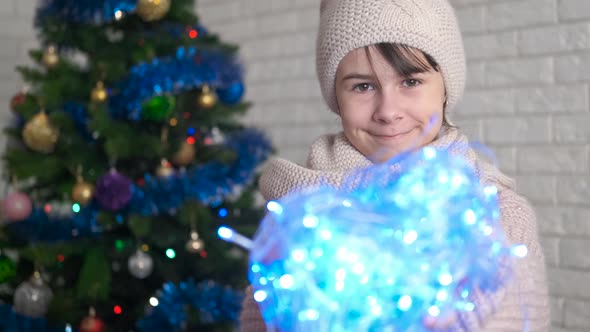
(388, 108)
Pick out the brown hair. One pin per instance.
(405, 61)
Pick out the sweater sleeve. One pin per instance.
(522, 303)
(250, 316)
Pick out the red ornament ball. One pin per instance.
(92, 324)
(17, 206)
(17, 100)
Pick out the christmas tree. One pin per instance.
(125, 158)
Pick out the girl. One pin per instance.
(392, 70)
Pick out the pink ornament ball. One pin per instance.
(17, 206)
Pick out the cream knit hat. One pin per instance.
(428, 25)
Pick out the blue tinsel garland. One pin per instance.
(215, 303)
(79, 115)
(10, 321)
(83, 11)
(190, 68)
(40, 227)
(208, 183)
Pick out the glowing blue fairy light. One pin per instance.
(287, 281)
(310, 221)
(520, 251)
(470, 217)
(442, 295)
(222, 212)
(310, 266)
(376, 310)
(464, 293)
(317, 252)
(404, 303)
(490, 191)
(275, 207)
(410, 237)
(230, 235)
(358, 268)
(260, 296)
(298, 255)
(434, 311)
(309, 314)
(225, 232)
(352, 257)
(426, 236)
(457, 181)
(326, 234)
(445, 279)
(429, 153)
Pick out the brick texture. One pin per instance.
(527, 98)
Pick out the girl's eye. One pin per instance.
(411, 83)
(363, 87)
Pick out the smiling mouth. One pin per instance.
(391, 137)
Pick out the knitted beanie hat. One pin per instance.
(428, 25)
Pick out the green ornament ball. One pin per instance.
(158, 108)
(7, 269)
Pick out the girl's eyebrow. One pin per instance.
(360, 76)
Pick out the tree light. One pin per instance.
(170, 253)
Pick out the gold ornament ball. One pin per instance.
(40, 135)
(185, 155)
(152, 10)
(165, 169)
(83, 192)
(99, 93)
(50, 57)
(207, 98)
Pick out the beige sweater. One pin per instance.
(520, 305)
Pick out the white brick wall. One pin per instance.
(527, 98)
(16, 37)
(528, 90)
(277, 39)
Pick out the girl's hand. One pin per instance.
(443, 322)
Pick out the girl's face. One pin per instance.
(383, 111)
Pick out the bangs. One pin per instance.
(405, 60)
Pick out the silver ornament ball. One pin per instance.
(32, 297)
(140, 265)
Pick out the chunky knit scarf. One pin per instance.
(520, 304)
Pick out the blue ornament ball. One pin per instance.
(232, 94)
